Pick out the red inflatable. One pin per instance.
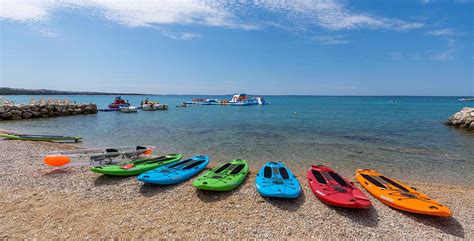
(335, 190)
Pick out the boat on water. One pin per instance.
(119, 103)
(466, 99)
(153, 105)
(129, 109)
(184, 104)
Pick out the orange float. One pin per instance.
(56, 160)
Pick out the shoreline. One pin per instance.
(39, 202)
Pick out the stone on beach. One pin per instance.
(462, 119)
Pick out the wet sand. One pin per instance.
(40, 202)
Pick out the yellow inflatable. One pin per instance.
(399, 196)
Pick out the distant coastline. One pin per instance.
(19, 91)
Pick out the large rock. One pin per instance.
(7, 115)
(36, 114)
(27, 115)
(463, 119)
(2, 110)
(16, 112)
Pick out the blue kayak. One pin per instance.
(175, 172)
(275, 180)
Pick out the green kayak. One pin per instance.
(224, 177)
(137, 167)
(40, 137)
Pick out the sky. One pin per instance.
(278, 47)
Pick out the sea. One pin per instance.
(400, 136)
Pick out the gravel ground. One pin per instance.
(44, 203)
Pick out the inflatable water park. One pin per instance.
(236, 100)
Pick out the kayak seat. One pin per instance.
(338, 179)
(237, 169)
(267, 172)
(98, 158)
(222, 168)
(284, 173)
(394, 183)
(180, 163)
(373, 181)
(319, 177)
(194, 164)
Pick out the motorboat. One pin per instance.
(119, 103)
(129, 109)
(153, 105)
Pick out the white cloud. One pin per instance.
(180, 35)
(26, 10)
(396, 55)
(331, 39)
(46, 32)
(299, 15)
(443, 32)
(445, 55)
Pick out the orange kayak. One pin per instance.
(398, 195)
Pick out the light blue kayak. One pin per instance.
(275, 180)
(175, 172)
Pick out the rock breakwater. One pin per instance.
(462, 119)
(18, 112)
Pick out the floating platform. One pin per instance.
(114, 109)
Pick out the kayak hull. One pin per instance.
(175, 172)
(136, 167)
(225, 177)
(398, 195)
(335, 190)
(96, 156)
(277, 181)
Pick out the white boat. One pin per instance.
(129, 109)
(466, 99)
(156, 106)
(152, 106)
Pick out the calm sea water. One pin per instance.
(401, 136)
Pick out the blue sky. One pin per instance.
(329, 47)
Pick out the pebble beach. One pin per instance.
(39, 202)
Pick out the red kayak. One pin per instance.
(335, 190)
